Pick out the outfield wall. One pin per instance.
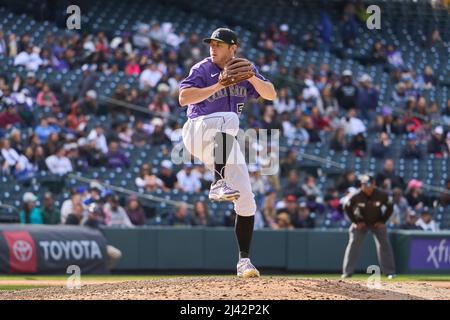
(214, 249)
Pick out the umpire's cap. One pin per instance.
(223, 35)
(366, 180)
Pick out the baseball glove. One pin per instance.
(235, 71)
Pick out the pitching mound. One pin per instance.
(217, 288)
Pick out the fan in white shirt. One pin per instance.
(188, 180)
(9, 154)
(351, 124)
(100, 139)
(150, 76)
(58, 163)
(426, 222)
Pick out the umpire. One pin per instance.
(369, 208)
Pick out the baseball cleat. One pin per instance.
(245, 269)
(221, 192)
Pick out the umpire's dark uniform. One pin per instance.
(370, 209)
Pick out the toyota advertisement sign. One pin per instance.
(51, 249)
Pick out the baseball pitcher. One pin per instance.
(215, 92)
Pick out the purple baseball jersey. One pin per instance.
(229, 99)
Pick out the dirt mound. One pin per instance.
(217, 288)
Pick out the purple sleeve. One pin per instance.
(251, 90)
(196, 79)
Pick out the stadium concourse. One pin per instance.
(92, 115)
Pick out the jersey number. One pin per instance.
(239, 107)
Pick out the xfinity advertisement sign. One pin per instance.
(430, 254)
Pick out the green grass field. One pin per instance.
(32, 281)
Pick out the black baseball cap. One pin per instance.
(223, 35)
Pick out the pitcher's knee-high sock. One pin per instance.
(222, 150)
(244, 233)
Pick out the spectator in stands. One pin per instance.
(382, 148)
(29, 58)
(97, 135)
(58, 163)
(346, 181)
(377, 55)
(180, 218)
(117, 215)
(201, 215)
(289, 162)
(9, 118)
(410, 221)
(446, 114)
(30, 213)
(333, 207)
(436, 145)
(283, 222)
(268, 208)
(159, 105)
(444, 197)
(140, 136)
(158, 137)
(387, 179)
(310, 188)
(52, 144)
(338, 142)
(46, 127)
(124, 134)
(320, 122)
(269, 120)
(167, 176)
(9, 155)
(289, 205)
(426, 222)
(134, 211)
(16, 142)
(256, 181)
(412, 149)
(115, 158)
(46, 98)
(148, 180)
(400, 209)
(188, 181)
(351, 124)
(88, 103)
(358, 145)
(50, 214)
(309, 42)
(132, 68)
(77, 216)
(394, 58)
(325, 30)
(284, 102)
(348, 30)
(415, 196)
(292, 186)
(367, 98)
(434, 40)
(427, 80)
(303, 218)
(149, 77)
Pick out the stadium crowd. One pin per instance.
(314, 104)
